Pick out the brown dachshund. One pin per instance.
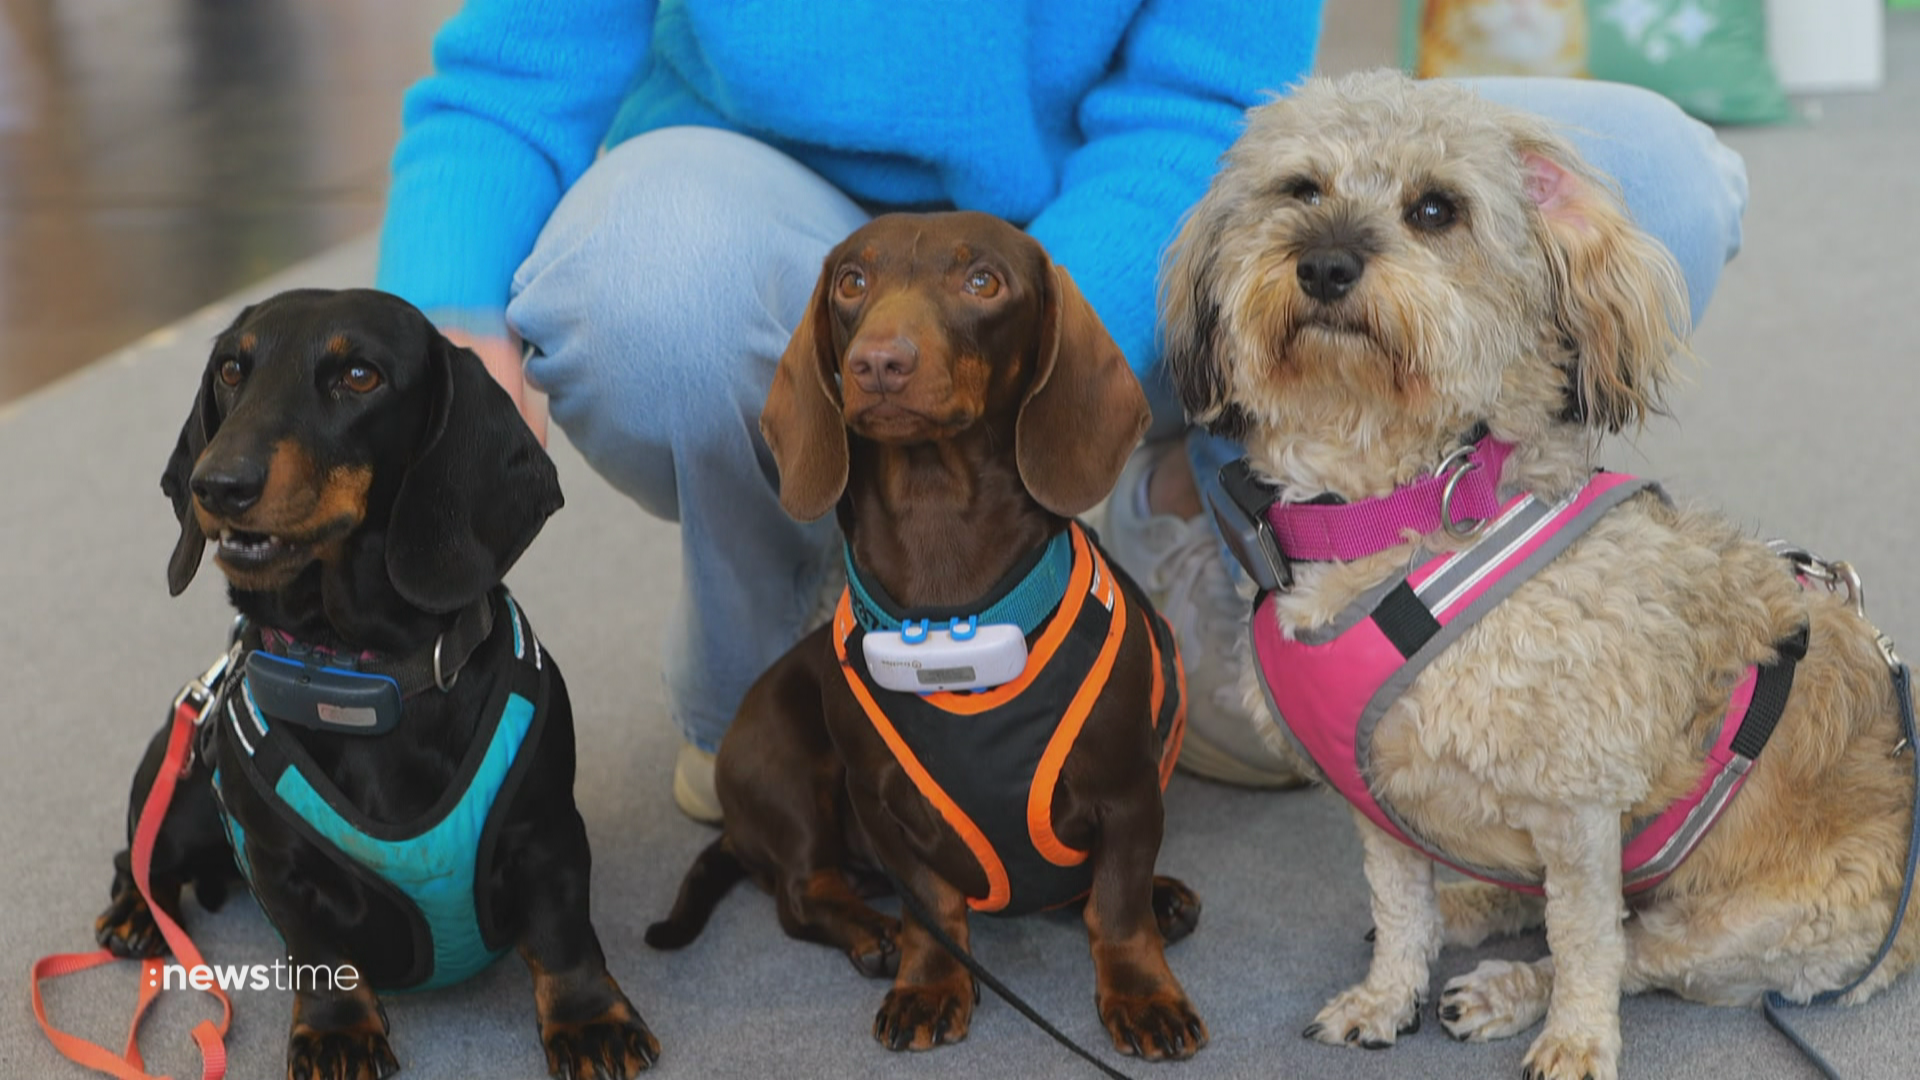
(956, 399)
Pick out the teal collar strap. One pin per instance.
(1029, 593)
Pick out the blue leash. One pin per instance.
(1774, 1001)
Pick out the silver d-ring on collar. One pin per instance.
(443, 683)
(1458, 456)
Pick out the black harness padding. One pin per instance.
(1771, 688)
(263, 754)
(987, 763)
(1405, 621)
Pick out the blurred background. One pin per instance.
(157, 155)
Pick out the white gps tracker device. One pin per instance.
(964, 655)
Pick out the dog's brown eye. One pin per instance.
(1305, 190)
(1432, 212)
(984, 284)
(232, 371)
(853, 284)
(360, 378)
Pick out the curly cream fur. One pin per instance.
(1586, 699)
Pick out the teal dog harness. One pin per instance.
(428, 866)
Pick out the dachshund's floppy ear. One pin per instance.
(1618, 296)
(1192, 341)
(1084, 411)
(478, 490)
(195, 434)
(802, 421)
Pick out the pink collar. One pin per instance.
(1462, 492)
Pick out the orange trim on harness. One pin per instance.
(1176, 736)
(1047, 777)
(999, 889)
(128, 1065)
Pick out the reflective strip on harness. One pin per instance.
(1331, 686)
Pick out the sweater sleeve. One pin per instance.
(522, 94)
(1155, 128)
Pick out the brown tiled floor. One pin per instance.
(156, 155)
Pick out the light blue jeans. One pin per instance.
(663, 290)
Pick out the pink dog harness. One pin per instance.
(1330, 686)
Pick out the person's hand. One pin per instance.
(502, 357)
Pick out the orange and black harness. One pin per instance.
(989, 760)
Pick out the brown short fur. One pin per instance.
(956, 399)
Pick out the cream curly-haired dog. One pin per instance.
(1381, 268)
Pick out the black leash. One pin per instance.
(1775, 1001)
(979, 972)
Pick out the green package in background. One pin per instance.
(1709, 56)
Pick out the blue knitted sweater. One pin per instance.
(1093, 123)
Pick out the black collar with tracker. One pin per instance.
(302, 690)
(350, 694)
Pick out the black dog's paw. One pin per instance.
(1176, 908)
(357, 1053)
(615, 1045)
(126, 929)
(211, 892)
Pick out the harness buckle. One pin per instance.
(1473, 527)
(1240, 503)
(202, 689)
(1838, 576)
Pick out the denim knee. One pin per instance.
(652, 304)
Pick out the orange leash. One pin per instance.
(128, 1064)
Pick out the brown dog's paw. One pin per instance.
(923, 1017)
(1159, 1027)
(1176, 908)
(877, 956)
(126, 928)
(616, 1045)
(357, 1053)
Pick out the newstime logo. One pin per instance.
(274, 976)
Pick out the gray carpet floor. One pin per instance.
(1800, 421)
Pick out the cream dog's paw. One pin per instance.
(1573, 1055)
(1496, 1000)
(1366, 1018)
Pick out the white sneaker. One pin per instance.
(693, 790)
(1182, 566)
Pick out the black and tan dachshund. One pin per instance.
(957, 401)
(366, 486)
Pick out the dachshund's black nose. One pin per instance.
(1327, 274)
(228, 487)
(883, 367)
